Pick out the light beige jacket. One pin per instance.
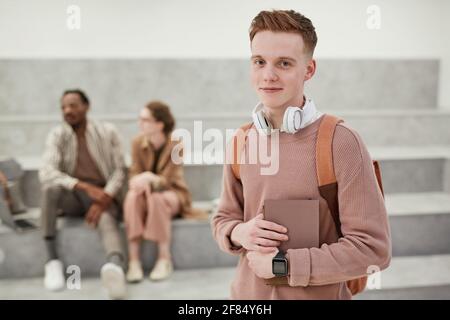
(104, 145)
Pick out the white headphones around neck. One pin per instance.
(294, 118)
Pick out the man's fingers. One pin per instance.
(93, 221)
(267, 243)
(271, 226)
(106, 197)
(93, 215)
(89, 217)
(272, 235)
(88, 220)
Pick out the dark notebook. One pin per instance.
(300, 217)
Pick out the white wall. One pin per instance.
(214, 29)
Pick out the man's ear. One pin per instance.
(86, 110)
(310, 69)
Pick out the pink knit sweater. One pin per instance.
(315, 273)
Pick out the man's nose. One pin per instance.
(68, 112)
(269, 74)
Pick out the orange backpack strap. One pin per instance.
(237, 146)
(325, 168)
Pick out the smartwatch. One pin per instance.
(280, 265)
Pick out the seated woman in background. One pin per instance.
(157, 192)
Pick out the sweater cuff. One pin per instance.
(70, 183)
(110, 189)
(227, 245)
(299, 267)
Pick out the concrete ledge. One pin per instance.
(24, 254)
(406, 174)
(380, 153)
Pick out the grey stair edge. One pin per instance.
(432, 112)
(184, 284)
(393, 209)
(32, 163)
(416, 271)
(439, 292)
(440, 264)
(418, 203)
(33, 213)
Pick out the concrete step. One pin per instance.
(404, 169)
(420, 277)
(420, 225)
(192, 247)
(124, 85)
(198, 284)
(25, 134)
(416, 277)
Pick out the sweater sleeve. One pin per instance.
(366, 239)
(230, 212)
(116, 180)
(50, 173)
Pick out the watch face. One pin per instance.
(279, 268)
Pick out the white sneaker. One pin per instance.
(113, 279)
(135, 273)
(54, 275)
(162, 270)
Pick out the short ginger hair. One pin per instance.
(286, 21)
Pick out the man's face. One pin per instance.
(279, 68)
(74, 110)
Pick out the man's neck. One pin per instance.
(80, 128)
(275, 115)
(157, 140)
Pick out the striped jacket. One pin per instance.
(104, 145)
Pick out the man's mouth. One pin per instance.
(271, 89)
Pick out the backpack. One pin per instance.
(328, 187)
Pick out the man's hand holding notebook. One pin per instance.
(300, 217)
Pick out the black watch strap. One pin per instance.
(280, 259)
(280, 255)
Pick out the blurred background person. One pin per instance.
(82, 175)
(157, 192)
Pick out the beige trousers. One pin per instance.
(148, 214)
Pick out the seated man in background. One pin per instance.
(82, 175)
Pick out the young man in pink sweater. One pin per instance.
(282, 45)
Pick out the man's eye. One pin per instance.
(285, 64)
(259, 62)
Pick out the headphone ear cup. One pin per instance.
(292, 119)
(286, 120)
(260, 121)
